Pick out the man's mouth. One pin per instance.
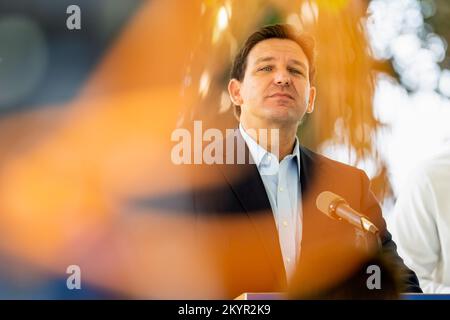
(281, 95)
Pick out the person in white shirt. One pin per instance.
(421, 224)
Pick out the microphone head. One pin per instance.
(326, 201)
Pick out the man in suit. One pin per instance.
(259, 218)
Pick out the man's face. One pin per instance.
(275, 89)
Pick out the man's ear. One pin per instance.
(234, 90)
(312, 98)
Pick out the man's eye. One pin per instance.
(295, 71)
(266, 68)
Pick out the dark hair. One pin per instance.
(279, 31)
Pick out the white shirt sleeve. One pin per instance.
(415, 231)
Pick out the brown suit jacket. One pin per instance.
(236, 222)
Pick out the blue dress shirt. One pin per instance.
(282, 183)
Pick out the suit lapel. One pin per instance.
(313, 181)
(319, 231)
(246, 183)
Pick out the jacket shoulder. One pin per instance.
(326, 163)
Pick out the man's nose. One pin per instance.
(282, 79)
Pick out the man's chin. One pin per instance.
(281, 115)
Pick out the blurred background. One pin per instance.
(86, 117)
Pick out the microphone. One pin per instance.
(337, 208)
